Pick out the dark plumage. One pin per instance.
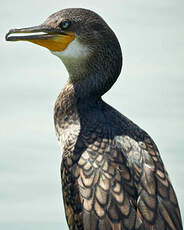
(112, 174)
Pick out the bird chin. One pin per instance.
(74, 50)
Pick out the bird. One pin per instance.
(112, 174)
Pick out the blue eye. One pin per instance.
(64, 24)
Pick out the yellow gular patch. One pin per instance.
(56, 43)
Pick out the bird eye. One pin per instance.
(64, 24)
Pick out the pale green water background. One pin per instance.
(150, 91)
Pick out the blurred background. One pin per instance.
(150, 91)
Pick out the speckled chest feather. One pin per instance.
(66, 120)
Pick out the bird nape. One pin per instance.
(113, 177)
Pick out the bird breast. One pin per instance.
(67, 136)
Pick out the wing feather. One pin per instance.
(120, 184)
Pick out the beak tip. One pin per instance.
(6, 36)
(11, 31)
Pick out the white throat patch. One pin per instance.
(74, 50)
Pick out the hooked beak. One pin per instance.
(51, 38)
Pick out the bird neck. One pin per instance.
(91, 77)
(95, 76)
(73, 98)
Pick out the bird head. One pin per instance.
(80, 38)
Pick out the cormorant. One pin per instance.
(112, 174)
